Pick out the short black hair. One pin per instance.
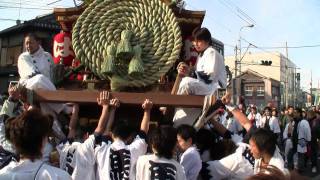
(27, 132)
(122, 129)
(267, 108)
(253, 107)
(265, 140)
(33, 35)
(299, 110)
(202, 34)
(186, 132)
(311, 115)
(164, 140)
(204, 139)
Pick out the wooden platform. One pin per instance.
(86, 97)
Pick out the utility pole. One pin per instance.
(236, 61)
(287, 74)
(234, 80)
(239, 41)
(239, 59)
(311, 87)
(294, 86)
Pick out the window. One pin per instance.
(13, 54)
(3, 56)
(248, 91)
(260, 91)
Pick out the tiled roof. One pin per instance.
(44, 22)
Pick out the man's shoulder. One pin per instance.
(24, 55)
(304, 122)
(192, 151)
(47, 54)
(146, 157)
(55, 171)
(211, 50)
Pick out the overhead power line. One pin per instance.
(261, 48)
(8, 3)
(234, 12)
(242, 12)
(7, 19)
(295, 47)
(54, 2)
(15, 7)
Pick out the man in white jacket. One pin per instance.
(301, 135)
(35, 65)
(210, 74)
(35, 69)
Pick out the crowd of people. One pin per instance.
(225, 141)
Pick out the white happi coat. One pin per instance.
(78, 159)
(31, 65)
(212, 64)
(151, 167)
(276, 161)
(118, 159)
(36, 170)
(304, 136)
(35, 73)
(236, 166)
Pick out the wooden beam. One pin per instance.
(159, 99)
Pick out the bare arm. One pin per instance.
(147, 106)
(242, 119)
(73, 121)
(218, 126)
(103, 101)
(114, 104)
(183, 71)
(237, 114)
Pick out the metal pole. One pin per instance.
(234, 90)
(239, 52)
(294, 87)
(239, 42)
(311, 89)
(236, 61)
(287, 79)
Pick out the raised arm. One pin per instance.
(216, 125)
(10, 104)
(242, 119)
(103, 100)
(73, 121)
(237, 114)
(114, 104)
(147, 106)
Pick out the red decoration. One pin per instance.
(62, 48)
(79, 76)
(190, 53)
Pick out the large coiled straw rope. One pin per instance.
(153, 28)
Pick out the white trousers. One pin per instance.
(40, 81)
(191, 86)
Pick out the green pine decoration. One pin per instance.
(136, 64)
(124, 49)
(108, 66)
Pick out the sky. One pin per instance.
(275, 23)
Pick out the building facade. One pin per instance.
(12, 45)
(257, 89)
(281, 69)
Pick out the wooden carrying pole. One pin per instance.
(85, 97)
